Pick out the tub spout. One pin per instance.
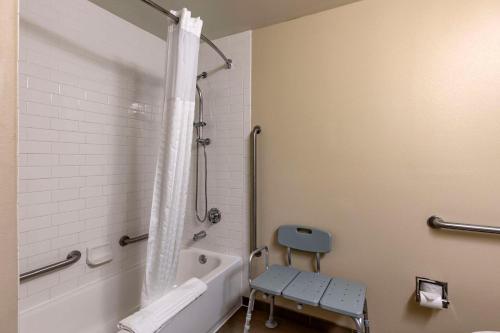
(199, 235)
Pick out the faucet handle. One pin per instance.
(214, 215)
(199, 235)
(203, 142)
(199, 124)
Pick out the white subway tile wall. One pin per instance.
(86, 156)
(91, 87)
(227, 109)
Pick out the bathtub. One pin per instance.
(97, 307)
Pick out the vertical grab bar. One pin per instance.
(253, 225)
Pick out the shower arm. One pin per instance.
(228, 62)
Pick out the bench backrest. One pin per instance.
(305, 238)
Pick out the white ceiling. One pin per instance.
(220, 17)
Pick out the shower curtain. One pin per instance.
(174, 157)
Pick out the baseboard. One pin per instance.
(225, 319)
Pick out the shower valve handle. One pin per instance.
(203, 142)
(199, 235)
(199, 124)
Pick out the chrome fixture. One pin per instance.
(199, 124)
(214, 215)
(203, 142)
(126, 240)
(199, 235)
(227, 62)
(202, 259)
(419, 281)
(71, 258)
(438, 223)
(253, 226)
(203, 75)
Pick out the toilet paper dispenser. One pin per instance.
(431, 293)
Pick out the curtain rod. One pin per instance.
(228, 62)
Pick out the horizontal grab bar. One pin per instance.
(126, 240)
(71, 258)
(438, 223)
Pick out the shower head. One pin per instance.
(203, 75)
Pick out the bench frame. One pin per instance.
(361, 323)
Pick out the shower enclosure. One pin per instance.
(89, 111)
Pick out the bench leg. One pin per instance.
(360, 327)
(271, 323)
(365, 315)
(251, 302)
(363, 324)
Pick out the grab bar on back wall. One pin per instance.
(253, 226)
(126, 240)
(71, 258)
(438, 223)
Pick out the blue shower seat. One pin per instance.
(275, 279)
(334, 294)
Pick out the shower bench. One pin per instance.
(334, 294)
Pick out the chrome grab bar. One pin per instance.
(126, 240)
(253, 228)
(71, 258)
(436, 222)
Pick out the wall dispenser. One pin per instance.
(99, 255)
(431, 293)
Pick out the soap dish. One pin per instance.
(99, 255)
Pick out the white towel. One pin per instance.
(154, 316)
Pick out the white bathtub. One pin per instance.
(98, 307)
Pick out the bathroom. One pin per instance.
(339, 141)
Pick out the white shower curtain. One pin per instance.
(174, 157)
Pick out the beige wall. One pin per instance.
(8, 168)
(375, 116)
